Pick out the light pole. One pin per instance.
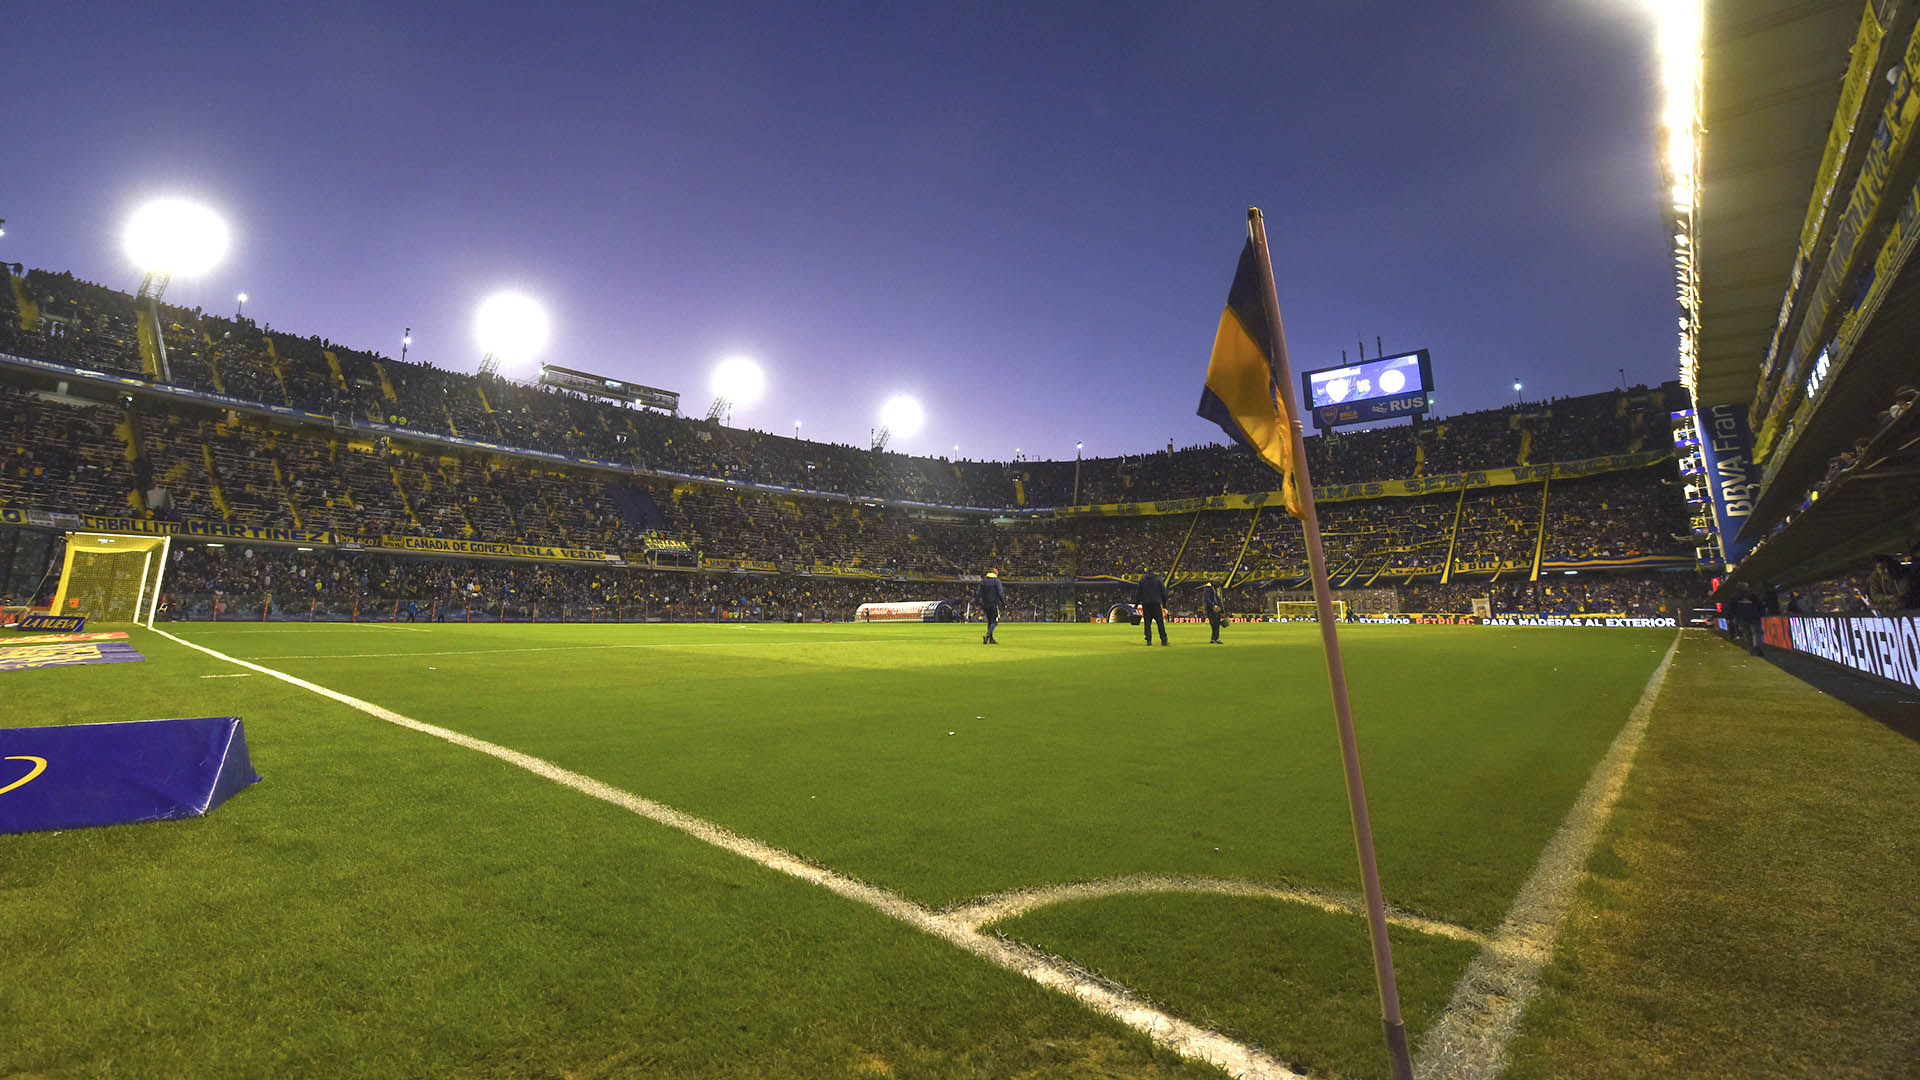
(240, 307)
(1516, 391)
(796, 431)
(1076, 472)
(406, 339)
(163, 238)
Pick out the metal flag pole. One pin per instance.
(1396, 1029)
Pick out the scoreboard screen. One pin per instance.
(1382, 389)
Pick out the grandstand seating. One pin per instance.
(145, 456)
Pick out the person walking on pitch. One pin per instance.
(992, 595)
(1210, 602)
(1151, 595)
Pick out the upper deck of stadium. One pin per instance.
(1799, 296)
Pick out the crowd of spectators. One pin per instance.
(74, 321)
(143, 457)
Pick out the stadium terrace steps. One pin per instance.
(637, 509)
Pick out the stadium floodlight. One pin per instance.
(175, 237)
(739, 380)
(511, 328)
(903, 415)
(240, 305)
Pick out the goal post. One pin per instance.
(112, 577)
(1307, 609)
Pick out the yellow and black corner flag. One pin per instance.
(1242, 391)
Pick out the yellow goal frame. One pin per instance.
(153, 551)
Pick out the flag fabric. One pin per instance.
(1242, 390)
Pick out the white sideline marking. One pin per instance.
(388, 626)
(988, 910)
(551, 648)
(1178, 1035)
(1469, 1040)
(235, 675)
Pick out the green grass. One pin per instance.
(387, 904)
(1320, 965)
(1751, 911)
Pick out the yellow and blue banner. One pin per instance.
(60, 624)
(1242, 393)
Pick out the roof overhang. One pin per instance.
(1771, 81)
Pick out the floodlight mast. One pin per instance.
(152, 287)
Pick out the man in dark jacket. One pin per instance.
(1743, 619)
(1151, 595)
(992, 595)
(1210, 603)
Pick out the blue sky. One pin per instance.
(1027, 215)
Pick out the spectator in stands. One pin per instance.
(1887, 587)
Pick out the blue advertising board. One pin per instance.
(79, 775)
(1732, 478)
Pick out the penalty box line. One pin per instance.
(1184, 1038)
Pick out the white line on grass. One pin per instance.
(388, 626)
(1178, 1035)
(235, 675)
(1469, 1040)
(1001, 906)
(553, 648)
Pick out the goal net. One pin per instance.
(1307, 609)
(112, 578)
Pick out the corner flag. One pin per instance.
(1242, 393)
(1250, 394)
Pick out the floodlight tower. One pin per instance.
(737, 380)
(511, 328)
(163, 238)
(902, 415)
(880, 437)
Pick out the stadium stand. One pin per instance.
(313, 444)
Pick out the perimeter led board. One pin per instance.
(1383, 389)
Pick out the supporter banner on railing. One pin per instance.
(213, 530)
(1885, 647)
(1620, 562)
(1508, 476)
(738, 564)
(216, 530)
(485, 549)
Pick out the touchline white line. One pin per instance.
(1469, 1040)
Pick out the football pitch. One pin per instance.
(768, 850)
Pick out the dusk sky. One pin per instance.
(1025, 214)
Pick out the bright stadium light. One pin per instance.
(739, 380)
(902, 415)
(511, 327)
(175, 237)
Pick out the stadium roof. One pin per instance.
(1771, 85)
